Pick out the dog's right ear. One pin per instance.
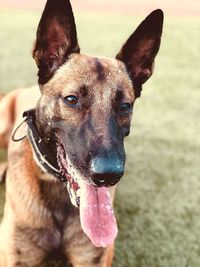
(56, 38)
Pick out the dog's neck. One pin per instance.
(40, 148)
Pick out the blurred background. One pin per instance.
(158, 200)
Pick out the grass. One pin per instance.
(157, 203)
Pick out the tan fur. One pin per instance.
(12, 106)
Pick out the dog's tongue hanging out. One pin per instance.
(97, 217)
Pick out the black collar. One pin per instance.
(41, 145)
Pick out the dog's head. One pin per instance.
(87, 103)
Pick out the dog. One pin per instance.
(63, 170)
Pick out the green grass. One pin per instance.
(158, 200)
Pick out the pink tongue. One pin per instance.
(97, 217)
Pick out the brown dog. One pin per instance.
(74, 143)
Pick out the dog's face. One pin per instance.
(87, 102)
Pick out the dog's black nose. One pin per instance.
(107, 170)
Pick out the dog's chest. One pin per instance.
(57, 213)
(56, 199)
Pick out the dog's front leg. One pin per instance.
(88, 256)
(108, 258)
(80, 251)
(16, 250)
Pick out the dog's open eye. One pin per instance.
(71, 101)
(125, 108)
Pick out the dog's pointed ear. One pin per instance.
(139, 52)
(56, 38)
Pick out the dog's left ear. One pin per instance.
(139, 52)
(56, 38)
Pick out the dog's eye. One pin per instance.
(125, 108)
(71, 101)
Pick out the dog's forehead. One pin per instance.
(93, 73)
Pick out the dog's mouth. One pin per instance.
(95, 204)
(73, 186)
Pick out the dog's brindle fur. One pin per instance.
(39, 219)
